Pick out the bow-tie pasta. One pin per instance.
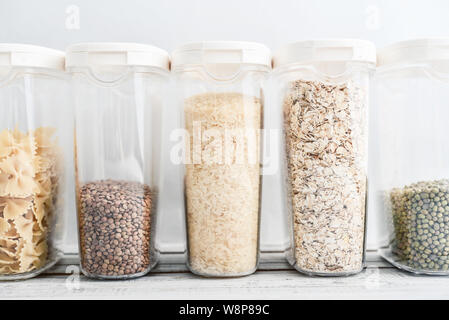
(29, 177)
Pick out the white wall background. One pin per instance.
(169, 23)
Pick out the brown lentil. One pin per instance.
(115, 223)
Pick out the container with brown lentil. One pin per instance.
(118, 118)
(115, 227)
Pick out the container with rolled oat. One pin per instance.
(118, 91)
(323, 91)
(412, 193)
(219, 85)
(35, 134)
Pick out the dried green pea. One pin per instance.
(421, 223)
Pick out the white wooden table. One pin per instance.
(275, 280)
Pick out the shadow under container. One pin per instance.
(412, 191)
(33, 129)
(118, 89)
(323, 93)
(219, 85)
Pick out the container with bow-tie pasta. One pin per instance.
(34, 130)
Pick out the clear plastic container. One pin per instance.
(219, 87)
(34, 127)
(118, 89)
(323, 93)
(412, 187)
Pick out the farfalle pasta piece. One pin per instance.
(25, 143)
(27, 257)
(33, 256)
(39, 233)
(15, 207)
(15, 141)
(9, 254)
(41, 248)
(17, 176)
(24, 227)
(39, 211)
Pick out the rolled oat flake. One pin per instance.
(325, 139)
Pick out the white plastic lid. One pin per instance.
(418, 50)
(26, 55)
(329, 50)
(94, 54)
(221, 52)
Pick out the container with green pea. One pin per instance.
(409, 160)
(420, 219)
